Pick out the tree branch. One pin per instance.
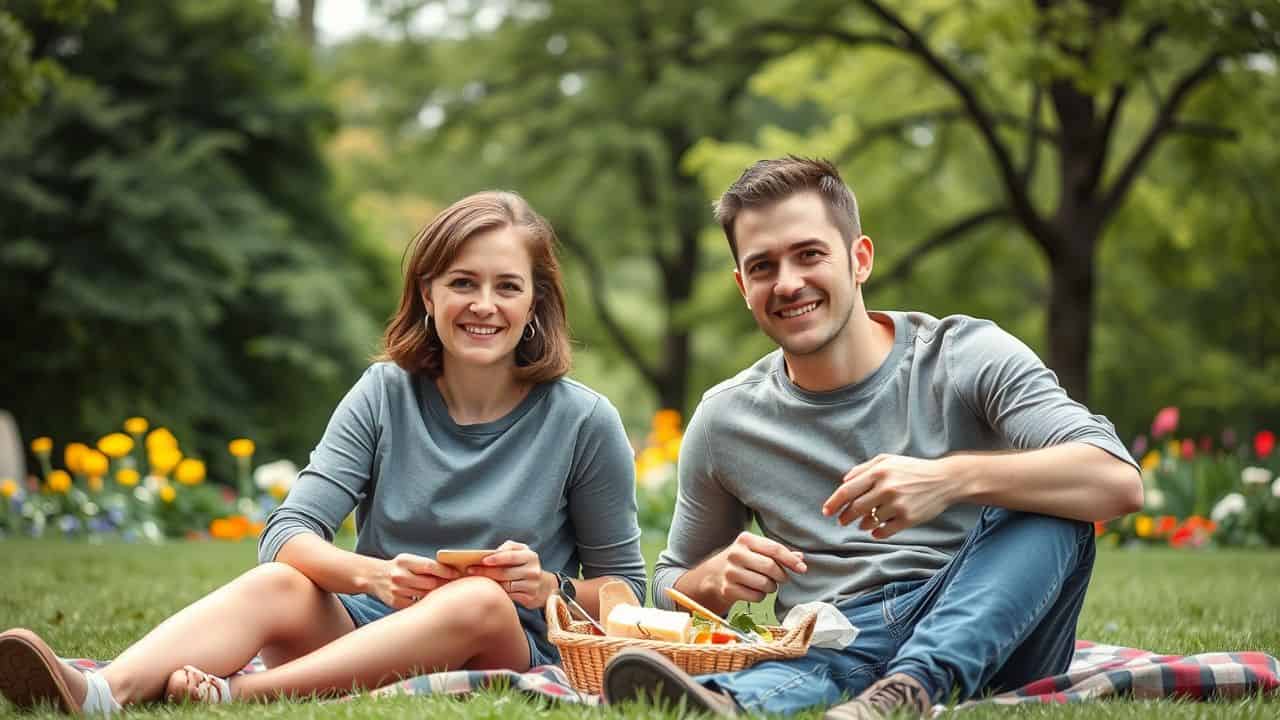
(942, 238)
(1033, 134)
(1019, 198)
(896, 126)
(1119, 93)
(595, 281)
(1205, 130)
(1164, 120)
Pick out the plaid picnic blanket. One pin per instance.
(1096, 671)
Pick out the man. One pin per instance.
(929, 477)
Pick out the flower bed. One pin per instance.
(139, 485)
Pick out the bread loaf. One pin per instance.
(649, 624)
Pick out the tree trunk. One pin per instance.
(307, 21)
(1071, 281)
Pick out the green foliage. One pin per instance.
(172, 243)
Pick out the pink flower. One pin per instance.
(1166, 422)
(1188, 449)
(1139, 446)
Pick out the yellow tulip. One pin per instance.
(127, 477)
(241, 447)
(59, 481)
(671, 448)
(94, 464)
(42, 445)
(8, 488)
(115, 445)
(190, 472)
(653, 457)
(1151, 460)
(167, 493)
(95, 484)
(163, 459)
(1144, 525)
(278, 491)
(160, 438)
(136, 425)
(71, 457)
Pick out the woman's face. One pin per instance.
(482, 302)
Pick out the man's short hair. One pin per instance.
(770, 181)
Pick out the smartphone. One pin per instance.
(462, 559)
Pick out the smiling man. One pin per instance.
(927, 476)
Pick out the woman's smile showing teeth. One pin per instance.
(481, 330)
(795, 312)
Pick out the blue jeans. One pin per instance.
(1000, 614)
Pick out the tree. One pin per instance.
(1096, 86)
(171, 241)
(589, 109)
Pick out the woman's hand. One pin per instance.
(405, 579)
(519, 571)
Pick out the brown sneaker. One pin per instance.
(636, 672)
(30, 673)
(898, 695)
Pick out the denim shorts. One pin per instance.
(364, 609)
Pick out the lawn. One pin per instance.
(92, 600)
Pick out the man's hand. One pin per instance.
(892, 493)
(406, 579)
(748, 569)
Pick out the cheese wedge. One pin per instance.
(649, 624)
(615, 593)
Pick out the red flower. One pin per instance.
(1264, 442)
(1206, 444)
(1182, 537)
(1166, 422)
(1099, 527)
(1166, 524)
(1188, 449)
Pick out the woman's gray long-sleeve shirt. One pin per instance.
(556, 473)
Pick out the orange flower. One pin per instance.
(94, 464)
(72, 455)
(1099, 527)
(42, 445)
(235, 527)
(115, 445)
(1166, 524)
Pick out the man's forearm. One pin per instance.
(696, 583)
(1074, 480)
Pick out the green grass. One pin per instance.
(92, 601)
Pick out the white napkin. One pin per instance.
(832, 629)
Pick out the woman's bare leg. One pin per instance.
(468, 623)
(272, 608)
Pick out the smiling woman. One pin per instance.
(466, 416)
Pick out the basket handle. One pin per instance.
(802, 632)
(558, 617)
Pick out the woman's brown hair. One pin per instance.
(415, 345)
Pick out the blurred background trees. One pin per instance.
(203, 204)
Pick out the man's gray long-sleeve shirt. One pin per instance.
(556, 473)
(758, 445)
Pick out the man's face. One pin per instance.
(795, 272)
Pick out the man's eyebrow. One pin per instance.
(797, 245)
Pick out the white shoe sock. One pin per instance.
(98, 699)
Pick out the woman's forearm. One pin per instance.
(329, 567)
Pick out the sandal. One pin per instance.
(209, 689)
(31, 673)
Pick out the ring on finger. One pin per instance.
(415, 598)
(511, 584)
(876, 518)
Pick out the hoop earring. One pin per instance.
(530, 330)
(426, 323)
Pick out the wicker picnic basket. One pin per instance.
(585, 654)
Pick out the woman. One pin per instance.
(466, 435)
